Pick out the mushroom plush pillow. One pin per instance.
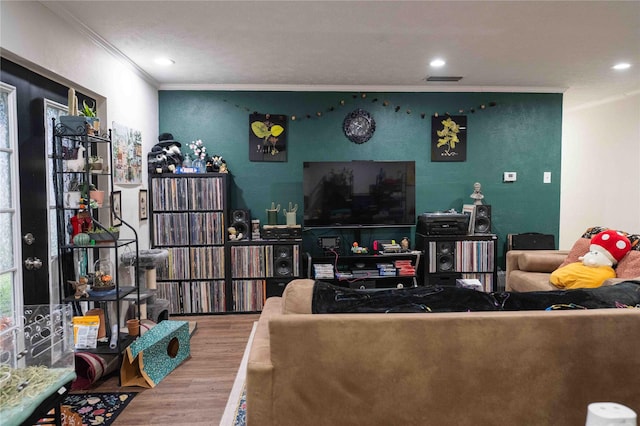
(607, 249)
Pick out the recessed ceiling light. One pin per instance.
(621, 66)
(437, 63)
(164, 61)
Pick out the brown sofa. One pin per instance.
(469, 368)
(529, 270)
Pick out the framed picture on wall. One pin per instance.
(267, 137)
(142, 204)
(449, 138)
(116, 208)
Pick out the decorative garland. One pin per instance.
(384, 103)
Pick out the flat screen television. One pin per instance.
(353, 193)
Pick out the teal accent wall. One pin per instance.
(522, 133)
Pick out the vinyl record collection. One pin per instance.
(188, 217)
(248, 295)
(206, 228)
(169, 229)
(470, 256)
(206, 194)
(474, 256)
(170, 193)
(194, 297)
(176, 266)
(207, 262)
(248, 261)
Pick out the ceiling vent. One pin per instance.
(443, 78)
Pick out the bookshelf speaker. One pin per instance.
(276, 286)
(483, 219)
(241, 220)
(283, 261)
(445, 256)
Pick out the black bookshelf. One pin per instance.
(188, 218)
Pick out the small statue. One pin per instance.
(290, 215)
(355, 248)
(272, 214)
(234, 235)
(477, 194)
(80, 287)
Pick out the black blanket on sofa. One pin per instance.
(329, 298)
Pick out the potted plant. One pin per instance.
(91, 196)
(89, 113)
(104, 234)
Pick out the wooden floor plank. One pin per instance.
(196, 392)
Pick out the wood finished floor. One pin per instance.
(196, 392)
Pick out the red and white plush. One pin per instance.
(612, 244)
(595, 267)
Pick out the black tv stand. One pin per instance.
(365, 270)
(355, 228)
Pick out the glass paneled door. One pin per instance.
(11, 300)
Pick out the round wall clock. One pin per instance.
(359, 126)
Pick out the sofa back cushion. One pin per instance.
(580, 248)
(440, 369)
(629, 266)
(297, 296)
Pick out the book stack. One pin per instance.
(405, 268)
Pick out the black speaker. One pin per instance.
(483, 219)
(276, 286)
(444, 279)
(282, 261)
(241, 220)
(445, 256)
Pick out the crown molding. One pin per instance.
(98, 40)
(357, 88)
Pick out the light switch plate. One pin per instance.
(546, 177)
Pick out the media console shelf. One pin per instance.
(450, 257)
(387, 270)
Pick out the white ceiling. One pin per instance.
(546, 46)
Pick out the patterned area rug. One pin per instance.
(241, 411)
(235, 412)
(94, 408)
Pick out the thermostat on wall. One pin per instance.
(509, 177)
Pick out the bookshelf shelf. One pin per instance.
(188, 219)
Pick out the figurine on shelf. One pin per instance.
(477, 194)
(217, 164)
(356, 249)
(77, 164)
(234, 235)
(165, 156)
(80, 287)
